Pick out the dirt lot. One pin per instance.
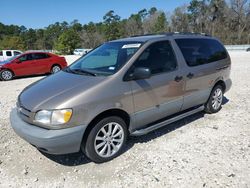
(200, 151)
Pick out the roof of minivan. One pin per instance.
(144, 38)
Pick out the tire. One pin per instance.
(100, 148)
(6, 75)
(214, 102)
(55, 69)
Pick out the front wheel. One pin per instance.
(106, 140)
(55, 69)
(214, 102)
(6, 75)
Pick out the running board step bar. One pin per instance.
(166, 122)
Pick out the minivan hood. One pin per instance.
(42, 94)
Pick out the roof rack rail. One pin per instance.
(173, 33)
(149, 34)
(187, 33)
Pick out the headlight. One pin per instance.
(53, 117)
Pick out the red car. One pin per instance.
(31, 63)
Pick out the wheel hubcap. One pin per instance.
(6, 75)
(217, 99)
(109, 139)
(56, 69)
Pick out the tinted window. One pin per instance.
(40, 56)
(26, 57)
(8, 53)
(159, 57)
(16, 53)
(1, 53)
(201, 51)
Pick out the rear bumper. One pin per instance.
(61, 141)
(228, 84)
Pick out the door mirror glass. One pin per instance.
(139, 73)
(17, 61)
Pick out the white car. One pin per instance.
(6, 54)
(81, 51)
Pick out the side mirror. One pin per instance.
(18, 61)
(139, 73)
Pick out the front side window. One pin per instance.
(107, 59)
(8, 53)
(159, 57)
(26, 57)
(201, 51)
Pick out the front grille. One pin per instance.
(23, 112)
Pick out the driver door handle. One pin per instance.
(178, 78)
(190, 75)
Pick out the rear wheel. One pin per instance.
(6, 75)
(214, 102)
(106, 140)
(55, 69)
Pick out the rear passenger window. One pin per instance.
(158, 57)
(40, 56)
(1, 53)
(201, 51)
(8, 53)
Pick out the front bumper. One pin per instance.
(61, 141)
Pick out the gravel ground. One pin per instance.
(199, 151)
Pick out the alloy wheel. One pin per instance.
(6, 75)
(55, 69)
(109, 140)
(217, 98)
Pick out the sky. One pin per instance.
(40, 13)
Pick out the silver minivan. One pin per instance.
(124, 87)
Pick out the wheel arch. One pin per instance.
(220, 82)
(55, 64)
(111, 112)
(8, 70)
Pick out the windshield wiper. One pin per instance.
(81, 71)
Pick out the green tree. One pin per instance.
(152, 11)
(75, 25)
(67, 42)
(12, 42)
(218, 12)
(143, 14)
(161, 23)
(134, 24)
(29, 38)
(180, 20)
(52, 33)
(198, 14)
(113, 28)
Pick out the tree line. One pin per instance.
(227, 20)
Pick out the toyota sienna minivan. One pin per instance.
(124, 87)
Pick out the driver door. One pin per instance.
(26, 65)
(160, 95)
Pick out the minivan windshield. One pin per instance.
(106, 59)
